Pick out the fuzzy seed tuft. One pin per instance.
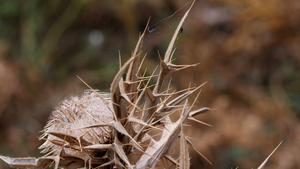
(73, 114)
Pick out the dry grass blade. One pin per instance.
(266, 160)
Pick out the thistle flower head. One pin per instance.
(72, 115)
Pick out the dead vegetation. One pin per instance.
(248, 53)
(92, 131)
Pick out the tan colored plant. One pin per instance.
(130, 127)
(119, 129)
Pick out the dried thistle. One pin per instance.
(98, 130)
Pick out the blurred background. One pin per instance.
(249, 55)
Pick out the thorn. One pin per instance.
(264, 163)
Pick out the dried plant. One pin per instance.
(130, 127)
(120, 129)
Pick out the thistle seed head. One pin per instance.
(94, 131)
(72, 115)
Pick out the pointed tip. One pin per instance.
(266, 160)
(146, 28)
(192, 4)
(169, 52)
(6, 159)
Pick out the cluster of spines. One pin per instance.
(116, 127)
